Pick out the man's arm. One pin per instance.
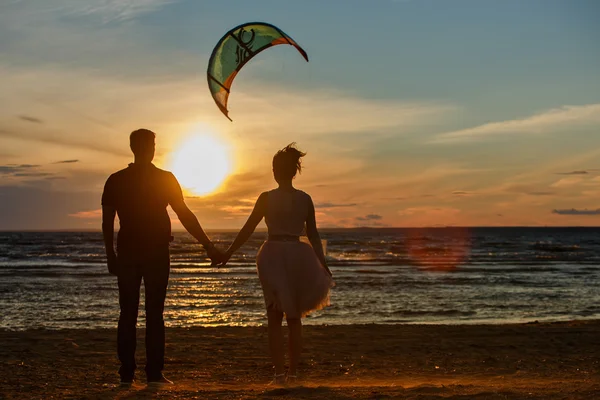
(190, 222)
(108, 232)
(108, 223)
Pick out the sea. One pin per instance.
(57, 280)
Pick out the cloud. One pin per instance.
(117, 104)
(573, 173)
(33, 174)
(540, 193)
(461, 193)
(106, 10)
(34, 208)
(532, 190)
(344, 114)
(369, 220)
(430, 216)
(426, 210)
(31, 119)
(334, 205)
(16, 169)
(574, 211)
(548, 121)
(29, 171)
(93, 214)
(62, 139)
(370, 217)
(66, 162)
(565, 182)
(238, 210)
(116, 10)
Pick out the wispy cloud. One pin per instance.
(461, 193)
(430, 216)
(540, 193)
(343, 113)
(239, 210)
(66, 162)
(114, 10)
(574, 211)
(16, 169)
(568, 181)
(334, 205)
(93, 214)
(31, 119)
(370, 217)
(107, 10)
(548, 121)
(580, 172)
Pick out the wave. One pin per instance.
(436, 313)
(372, 271)
(554, 247)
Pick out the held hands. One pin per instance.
(214, 254)
(217, 257)
(226, 256)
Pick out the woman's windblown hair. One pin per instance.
(287, 162)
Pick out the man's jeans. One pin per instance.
(152, 266)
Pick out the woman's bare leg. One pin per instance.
(276, 339)
(295, 343)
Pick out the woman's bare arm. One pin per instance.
(253, 220)
(313, 235)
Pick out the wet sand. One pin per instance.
(520, 361)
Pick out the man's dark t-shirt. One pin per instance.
(140, 195)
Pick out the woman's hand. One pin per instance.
(215, 255)
(225, 258)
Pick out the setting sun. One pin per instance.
(201, 163)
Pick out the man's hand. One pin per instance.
(215, 255)
(226, 256)
(111, 261)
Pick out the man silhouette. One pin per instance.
(139, 195)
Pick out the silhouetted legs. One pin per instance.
(155, 285)
(155, 272)
(129, 300)
(276, 339)
(295, 343)
(275, 318)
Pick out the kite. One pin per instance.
(234, 50)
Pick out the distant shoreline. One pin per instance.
(356, 229)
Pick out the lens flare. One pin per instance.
(438, 249)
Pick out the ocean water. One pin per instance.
(438, 275)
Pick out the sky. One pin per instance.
(412, 112)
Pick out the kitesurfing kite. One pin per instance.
(234, 50)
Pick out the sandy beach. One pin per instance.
(513, 361)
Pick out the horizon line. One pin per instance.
(264, 230)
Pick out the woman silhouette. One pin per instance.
(294, 275)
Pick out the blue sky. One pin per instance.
(421, 112)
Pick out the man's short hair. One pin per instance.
(139, 137)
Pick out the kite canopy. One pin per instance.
(234, 50)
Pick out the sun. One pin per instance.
(201, 163)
